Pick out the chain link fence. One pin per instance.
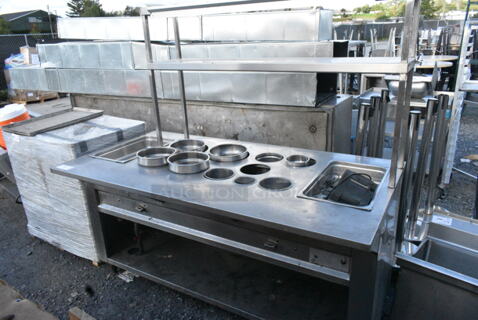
(344, 30)
(11, 43)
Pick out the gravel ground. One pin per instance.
(58, 280)
(460, 194)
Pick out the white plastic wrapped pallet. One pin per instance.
(56, 206)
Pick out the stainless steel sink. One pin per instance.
(450, 256)
(440, 280)
(126, 151)
(316, 190)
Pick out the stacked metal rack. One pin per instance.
(403, 65)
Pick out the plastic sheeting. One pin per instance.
(56, 206)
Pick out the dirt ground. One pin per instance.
(58, 280)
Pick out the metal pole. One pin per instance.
(421, 166)
(49, 20)
(412, 138)
(408, 51)
(374, 124)
(435, 159)
(182, 91)
(152, 79)
(384, 99)
(443, 138)
(362, 122)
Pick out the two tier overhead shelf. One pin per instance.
(403, 65)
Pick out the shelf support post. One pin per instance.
(182, 90)
(152, 78)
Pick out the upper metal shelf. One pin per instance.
(326, 65)
(188, 5)
(228, 6)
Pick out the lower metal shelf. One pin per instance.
(236, 283)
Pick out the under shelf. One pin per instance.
(381, 65)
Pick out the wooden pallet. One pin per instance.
(78, 314)
(40, 99)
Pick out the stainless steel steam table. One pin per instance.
(226, 220)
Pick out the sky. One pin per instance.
(59, 6)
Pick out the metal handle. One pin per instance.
(421, 167)
(362, 122)
(436, 159)
(412, 137)
(141, 207)
(373, 127)
(384, 99)
(271, 243)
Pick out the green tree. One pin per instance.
(92, 8)
(4, 27)
(75, 8)
(131, 11)
(428, 9)
(85, 8)
(366, 9)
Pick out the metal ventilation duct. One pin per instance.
(114, 68)
(296, 25)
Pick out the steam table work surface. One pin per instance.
(281, 210)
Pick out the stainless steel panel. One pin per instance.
(32, 78)
(262, 243)
(442, 267)
(279, 125)
(326, 25)
(216, 86)
(115, 82)
(324, 65)
(345, 226)
(129, 55)
(50, 55)
(53, 81)
(70, 55)
(300, 90)
(283, 25)
(248, 88)
(125, 151)
(264, 88)
(259, 88)
(296, 25)
(330, 259)
(94, 80)
(137, 83)
(212, 33)
(90, 56)
(72, 80)
(189, 28)
(116, 55)
(334, 172)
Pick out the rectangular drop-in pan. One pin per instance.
(126, 151)
(333, 172)
(450, 256)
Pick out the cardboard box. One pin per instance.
(30, 55)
